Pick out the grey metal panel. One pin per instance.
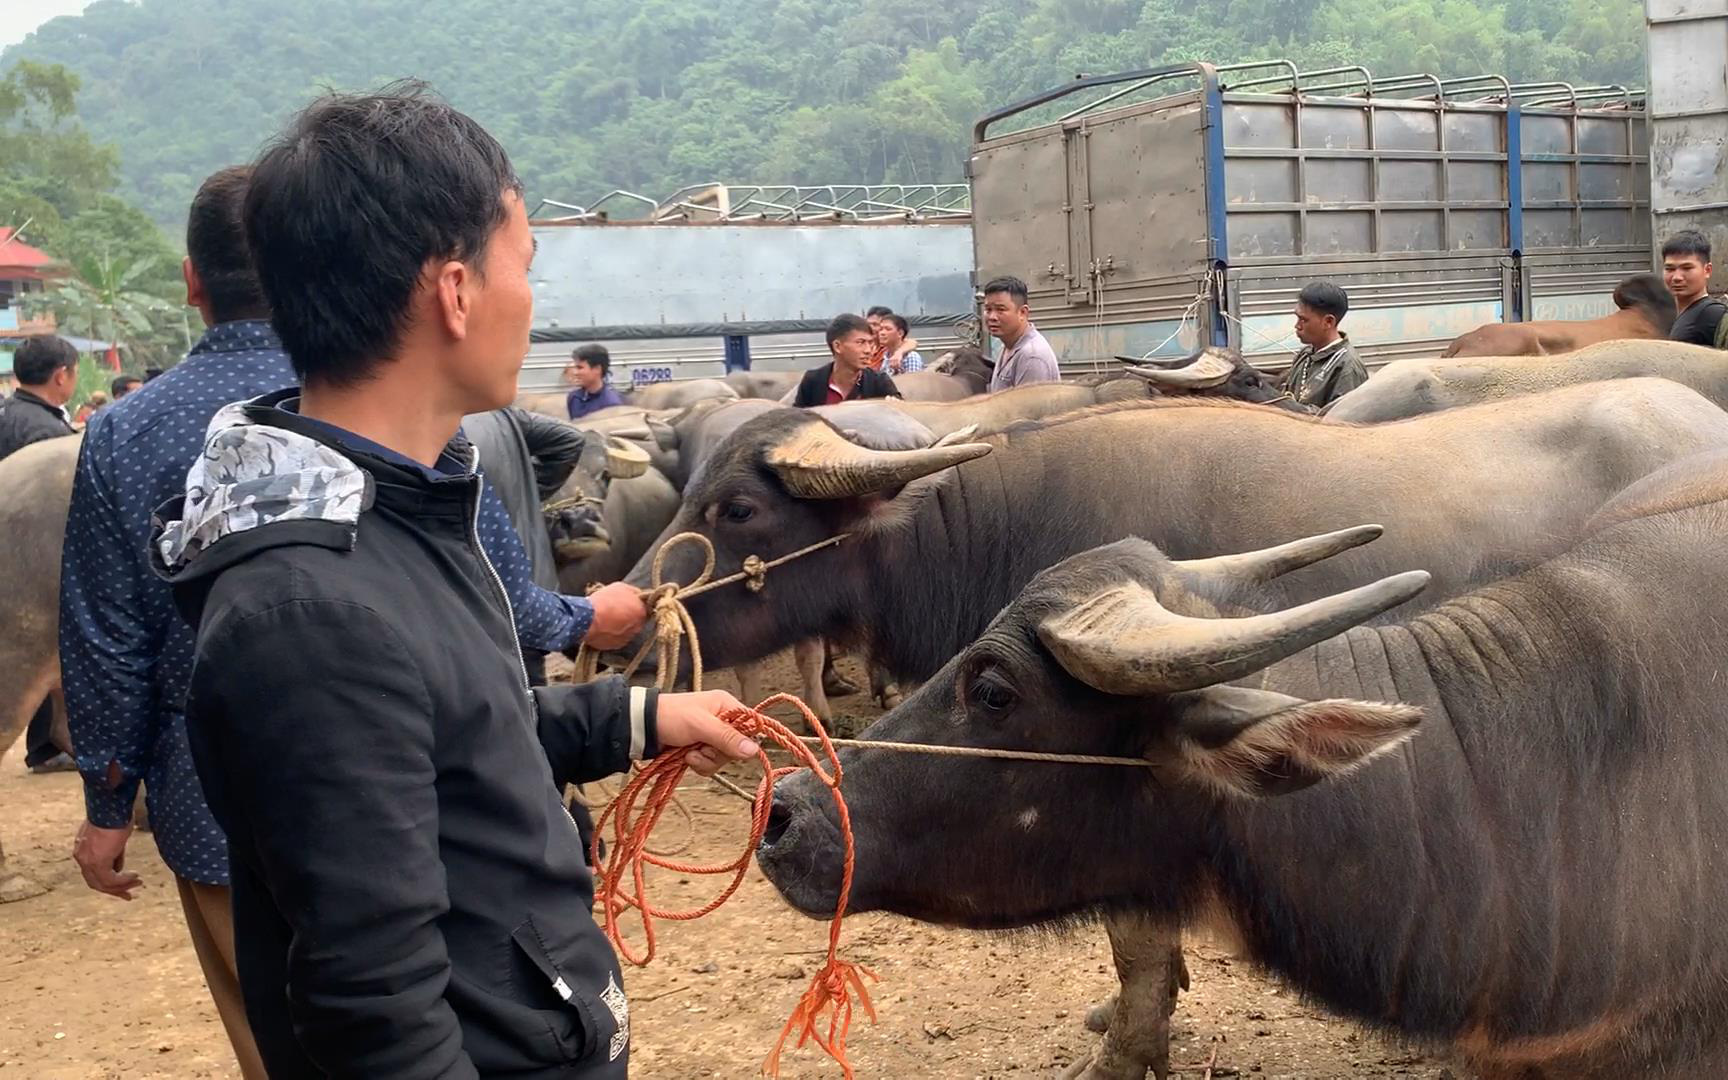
(1476, 181)
(1687, 46)
(654, 275)
(1476, 132)
(1332, 127)
(1584, 179)
(1262, 180)
(1341, 180)
(1267, 124)
(1412, 181)
(1406, 129)
(1021, 185)
(1399, 305)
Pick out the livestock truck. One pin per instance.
(1154, 211)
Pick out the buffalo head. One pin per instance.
(783, 481)
(1115, 652)
(1212, 372)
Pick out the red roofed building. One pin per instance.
(24, 269)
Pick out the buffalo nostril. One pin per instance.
(779, 818)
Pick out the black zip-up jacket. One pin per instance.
(410, 898)
(25, 419)
(813, 387)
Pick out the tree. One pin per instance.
(104, 301)
(652, 95)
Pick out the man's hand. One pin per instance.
(618, 616)
(694, 720)
(101, 855)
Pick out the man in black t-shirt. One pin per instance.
(1686, 270)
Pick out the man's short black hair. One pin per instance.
(594, 356)
(844, 325)
(345, 209)
(1324, 298)
(216, 244)
(122, 384)
(878, 311)
(1013, 286)
(899, 321)
(1687, 242)
(40, 356)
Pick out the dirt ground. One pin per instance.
(91, 987)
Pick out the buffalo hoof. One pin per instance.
(1095, 1069)
(892, 697)
(835, 684)
(14, 887)
(1098, 1017)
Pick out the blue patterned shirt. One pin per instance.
(126, 655)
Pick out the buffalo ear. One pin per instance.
(1256, 743)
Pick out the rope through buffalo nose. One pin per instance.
(672, 622)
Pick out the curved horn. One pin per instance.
(625, 460)
(816, 462)
(1123, 641)
(1207, 370)
(961, 435)
(1255, 567)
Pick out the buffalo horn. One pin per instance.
(817, 462)
(1255, 567)
(1207, 370)
(625, 460)
(1123, 641)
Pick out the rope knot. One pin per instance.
(755, 573)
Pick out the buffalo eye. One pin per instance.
(991, 695)
(737, 512)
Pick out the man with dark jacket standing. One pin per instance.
(47, 371)
(849, 376)
(409, 894)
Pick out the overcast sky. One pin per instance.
(19, 17)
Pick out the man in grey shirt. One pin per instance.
(1026, 356)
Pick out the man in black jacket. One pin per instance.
(849, 376)
(47, 371)
(46, 368)
(409, 894)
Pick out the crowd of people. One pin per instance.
(355, 784)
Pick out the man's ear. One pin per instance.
(1256, 743)
(451, 287)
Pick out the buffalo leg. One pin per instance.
(19, 696)
(1148, 957)
(812, 658)
(750, 689)
(884, 688)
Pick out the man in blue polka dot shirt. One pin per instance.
(126, 655)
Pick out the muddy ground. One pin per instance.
(92, 987)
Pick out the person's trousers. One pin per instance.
(210, 918)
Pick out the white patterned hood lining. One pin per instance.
(250, 475)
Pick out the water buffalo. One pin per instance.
(35, 489)
(1646, 310)
(1490, 829)
(942, 538)
(1468, 494)
(1211, 372)
(677, 395)
(769, 385)
(1413, 387)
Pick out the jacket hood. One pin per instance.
(256, 485)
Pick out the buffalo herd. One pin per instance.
(1426, 685)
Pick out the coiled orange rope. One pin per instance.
(637, 809)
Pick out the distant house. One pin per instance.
(23, 270)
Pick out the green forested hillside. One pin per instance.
(648, 95)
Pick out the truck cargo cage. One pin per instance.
(1155, 210)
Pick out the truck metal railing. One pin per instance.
(715, 202)
(1284, 77)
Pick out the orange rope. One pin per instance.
(830, 992)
